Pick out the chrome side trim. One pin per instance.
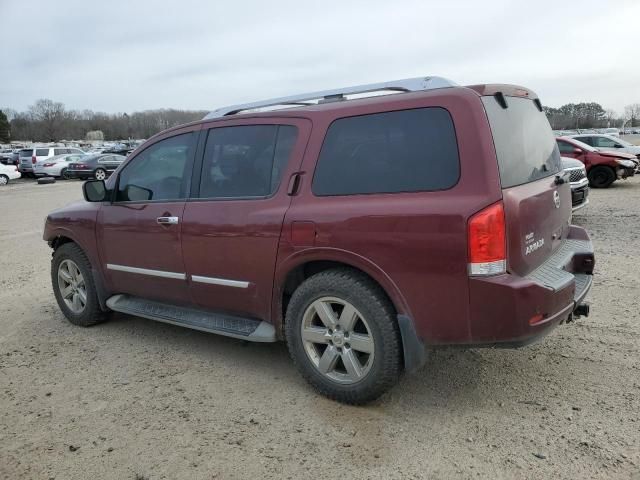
(146, 271)
(220, 281)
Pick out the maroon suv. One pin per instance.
(363, 231)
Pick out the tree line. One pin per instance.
(49, 121)
(591, 115)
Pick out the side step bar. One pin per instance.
(222, 324)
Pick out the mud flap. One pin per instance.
(415, 353)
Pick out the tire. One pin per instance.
(63, 174)
(69, 255)
(4, 180)
(375, 327)
(46, 180)
(601, 177)
(100, 174)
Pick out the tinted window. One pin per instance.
(245, 161)
(525, 145)
(158, 172)
(565, 147)
(604, 142)
(26, 153)
(76, 151)
(42, 152)
(60, 151)
(587, 140)
(404, 151)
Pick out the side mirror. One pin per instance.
(135, 193)
(94, 191)
(577, 151)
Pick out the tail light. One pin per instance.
(33, 159)
(48, 165)
(487, 245)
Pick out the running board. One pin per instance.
(222, 324)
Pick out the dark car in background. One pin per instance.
(95, 166)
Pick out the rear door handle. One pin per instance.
(168, 220)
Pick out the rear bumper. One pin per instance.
(510, 310)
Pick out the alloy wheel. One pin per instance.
(337, 340)
(71, 284)
(100, 174)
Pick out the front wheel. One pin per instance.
(100, 174)
(343, 336)
(73, 286)
(601, 177)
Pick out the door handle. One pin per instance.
(168, 220)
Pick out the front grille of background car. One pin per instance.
(576, 174)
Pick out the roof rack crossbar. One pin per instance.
(406, 85)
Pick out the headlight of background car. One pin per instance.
(626, 163)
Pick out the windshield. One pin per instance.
(525, 145)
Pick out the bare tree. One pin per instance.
(50, 115)
(632, 113)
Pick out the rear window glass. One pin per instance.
(42, 152)
(404, 151)
(26, 153)
(525, 144)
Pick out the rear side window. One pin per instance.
(60, 151)
(525, 145)
(404, 151)
(245, 161)
(42, 152)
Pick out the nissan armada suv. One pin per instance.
(362, 231)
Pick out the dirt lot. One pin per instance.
(136, 399)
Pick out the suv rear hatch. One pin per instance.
(537, 203)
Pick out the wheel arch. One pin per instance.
(300, 266)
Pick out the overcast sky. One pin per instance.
(124, 56)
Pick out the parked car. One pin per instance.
(8, 173)
(609, 143)
(30, 156)
(615, 132)
(351, 228)
(576, 174)
(603, 168)
(94, 166)
(5, 155)
(56, 166)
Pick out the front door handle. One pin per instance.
(168, 220)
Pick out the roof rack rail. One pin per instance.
(406, 85)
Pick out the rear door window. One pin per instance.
(587, 140)
(245, 161)
(42, 152)
(604, 142)
(525, 145)
(402, 151)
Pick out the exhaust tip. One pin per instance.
(582, 310)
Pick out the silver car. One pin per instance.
(608, 143)
(55, 166)
(576, 173)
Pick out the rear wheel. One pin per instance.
(100, 174)
(4, 179)
(343, 337)
(601, 177)
(64, 174)
(73, 286)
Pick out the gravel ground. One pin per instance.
(136, 399)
